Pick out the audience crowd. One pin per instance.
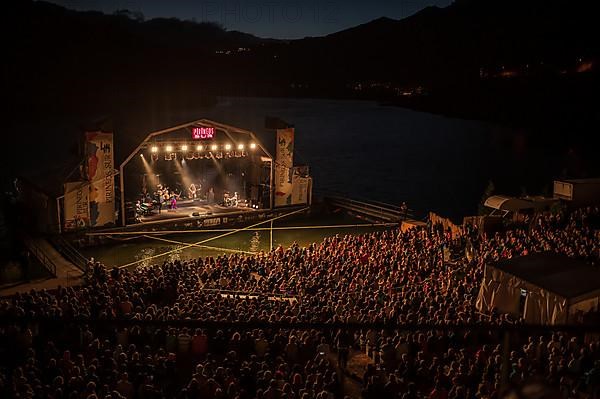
(422, 275)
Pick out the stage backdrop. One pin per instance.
(76, 206)
(284, 162)
(100, 164)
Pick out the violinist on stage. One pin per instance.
(174, 198)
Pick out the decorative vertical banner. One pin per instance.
(284, 161)
(300, 185)
(76, 206)
(100, 164)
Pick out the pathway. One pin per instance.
(67, 274)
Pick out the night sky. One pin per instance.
(282, 19)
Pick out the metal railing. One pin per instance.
(373, 209)
(327, 193)
(41, 256)
(251, 294)
(70, 253)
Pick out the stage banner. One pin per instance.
(284, 160)
(300, 185)
(76, 206)
(100, 172)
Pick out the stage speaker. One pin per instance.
(130, 216)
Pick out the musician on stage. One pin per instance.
(174, 200)
(166, 196)
(158, 199)
(192, 191)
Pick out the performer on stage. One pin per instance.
(158, 199)
(210, 196)
(226, 200)
(174, 200)
(165, 195)
(192, 191)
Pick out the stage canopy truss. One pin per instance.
(198, 140)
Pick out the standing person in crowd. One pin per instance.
(343, 342)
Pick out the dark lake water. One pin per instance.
(392, 154)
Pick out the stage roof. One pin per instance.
(567, 277)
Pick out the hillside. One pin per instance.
(471, 52)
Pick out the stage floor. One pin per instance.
(187, 208)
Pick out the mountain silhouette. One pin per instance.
(460, 56)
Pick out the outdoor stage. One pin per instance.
(220, 177)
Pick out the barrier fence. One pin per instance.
(351, 326)
(70, 253)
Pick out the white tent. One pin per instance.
(504, 203)
(543, 288)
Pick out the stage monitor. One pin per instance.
(203, 133)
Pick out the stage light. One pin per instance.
(240, 147)
(154, 149)
(184, 147)
(199, 148)
(141, 155)
(227, 147)
(252, 146)
(169, 148)
(214, 147)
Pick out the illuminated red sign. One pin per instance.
(203, 133)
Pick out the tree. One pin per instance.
(133, 15)
(489, 190)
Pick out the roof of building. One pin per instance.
(592, 180)
(567, 277)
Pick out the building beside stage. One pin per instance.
(578, 192)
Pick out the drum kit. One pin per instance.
(230, 201)
(144, 208)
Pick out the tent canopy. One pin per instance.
(544, 288)
(504, 203)
(567, 277)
